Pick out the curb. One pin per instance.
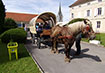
(93, 44)
(35, 60)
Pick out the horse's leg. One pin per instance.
(67, 51)
(52, 50)
(53, 45)
(56, 48)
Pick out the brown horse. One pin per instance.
(67, 34)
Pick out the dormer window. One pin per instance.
(99, 0)
(72, 8)
(72, 15)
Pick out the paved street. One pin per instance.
(91, 60)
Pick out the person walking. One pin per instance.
(78, 43)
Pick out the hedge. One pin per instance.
(2, 15)
(16, 35)
(9, 24)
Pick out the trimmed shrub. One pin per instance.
(16, 35)
(21, 28)
(2, 16)
(9, 24)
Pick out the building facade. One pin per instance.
(94, 10)
(22, 19)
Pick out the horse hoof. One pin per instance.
(57, 52)
(52, 51)
(67, 60)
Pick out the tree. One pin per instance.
(2, 16)
(9, 24)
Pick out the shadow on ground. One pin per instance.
(82, 55)
(72, 53)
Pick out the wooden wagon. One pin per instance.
(40, 27)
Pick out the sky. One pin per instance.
(39, 6)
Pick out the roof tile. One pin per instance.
(78, 2)
(21, 17)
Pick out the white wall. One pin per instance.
(81, 12)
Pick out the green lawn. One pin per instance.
(100, 37)
(24, 64)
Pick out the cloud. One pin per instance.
(38, 6)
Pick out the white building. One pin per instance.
(94, 10)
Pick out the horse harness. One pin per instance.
(60, 36)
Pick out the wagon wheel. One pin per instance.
(33, 39)
(38, 43)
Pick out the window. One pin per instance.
(72, 15)
(99, 0)
(98, 24)
(88, 3)
(99, 11)
(88, 12)
(79, 5)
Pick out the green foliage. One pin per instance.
(2, 15)
(100, 37)
(24, 64)
(21, 28)
(75, 20)
(17, 35)
(9, 24)
(85, 40)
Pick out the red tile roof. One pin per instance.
(20, 17)
(78, 2)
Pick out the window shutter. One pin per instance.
(103, 11)
(85, 13)
(90, 12)
(70, 15)
(79, 14)
(95, 12)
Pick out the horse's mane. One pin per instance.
(79, 24)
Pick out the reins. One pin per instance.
(60, 36)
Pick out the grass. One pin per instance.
(100, 37)
(24, 64)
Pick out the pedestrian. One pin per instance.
(78, 43)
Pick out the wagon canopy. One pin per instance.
(43, 18)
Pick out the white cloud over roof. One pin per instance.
(39, 6)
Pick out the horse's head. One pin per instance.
(88, 30)
(55, 31)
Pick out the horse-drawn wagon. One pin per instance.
(65, 34)
(40, 27)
